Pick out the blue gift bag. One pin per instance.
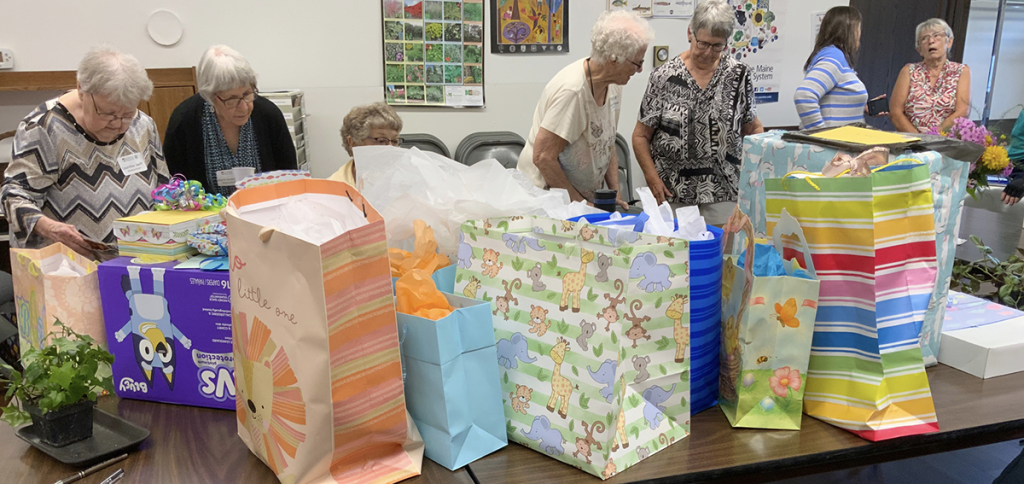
(452, 388)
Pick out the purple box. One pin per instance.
(170, 332)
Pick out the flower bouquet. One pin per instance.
(994, 161)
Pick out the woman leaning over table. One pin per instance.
(372, 124)
(831, 94)
(934, 92)
(572, 142)
(84, 159)
(226, 125)
(698, 107)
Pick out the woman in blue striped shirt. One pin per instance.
(831, 94)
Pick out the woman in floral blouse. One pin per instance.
(934, 92)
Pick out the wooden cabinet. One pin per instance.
(170, 88)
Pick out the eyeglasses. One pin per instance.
(385, 141)
(108, 117)
(639, 67)
(927, 39)
(232, 102)
(707, 45)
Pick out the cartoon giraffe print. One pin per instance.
(620, 423)
(560, 385)
(679, 333)
(572, 283)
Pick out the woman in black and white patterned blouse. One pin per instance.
(698, 107)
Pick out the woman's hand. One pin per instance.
(658, 188)
(622, 203)
(883, 113)
(1013, 191)
(64, 233)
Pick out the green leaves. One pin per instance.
(551, 296)
(562, 327)
(625, 250)
(503, 225)
(600, 239)
(608, 419)
(553, 263)
(654, 443)
(615, 339)
(575, 371)
(504, 378)
(584, 402)
(472, 235)
(684, 376)
(543, 375)
(663, 343)
(590, 295)
(14, 416)
(634, 431)
(517, 263)
(662, 369)
(486, 297)
(634, 400)
(598, 350)
(657, 304)
(623, 356)
(509, 428)
(554, 230)
(458, 278)
(626, 260)
(669, 255)
(572, 423)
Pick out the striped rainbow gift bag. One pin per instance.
(317, 367)
(872, 241)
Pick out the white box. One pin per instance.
(292, 98)
(985, 351)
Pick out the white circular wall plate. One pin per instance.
(164, 27)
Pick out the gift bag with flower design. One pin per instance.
(768, 310)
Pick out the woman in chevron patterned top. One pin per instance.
(84, 159)
(698, 107)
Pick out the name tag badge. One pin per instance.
(228, 178)
(132, 164)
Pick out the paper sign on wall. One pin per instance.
(757, 41)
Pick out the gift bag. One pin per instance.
(451, 382)
(767, 325)
(317, 368)
(592, 330)
(767, 156)
(55, 283)
(871, 241)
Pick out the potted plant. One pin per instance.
(990, 278)
(58, 387)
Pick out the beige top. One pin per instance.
(347, 173)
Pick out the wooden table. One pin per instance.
(186, 445)
(971, 412)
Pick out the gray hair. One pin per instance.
(931, 24)
(714, 16)
(361, 119)
(114, 75)
(222, 68)
(619, 35)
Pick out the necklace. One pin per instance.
(590, 80)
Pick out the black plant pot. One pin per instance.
(63, 426)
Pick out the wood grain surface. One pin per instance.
(186, 445)
(971, 412)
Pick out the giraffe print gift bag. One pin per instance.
(592, 330)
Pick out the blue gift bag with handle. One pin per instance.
(452, 387)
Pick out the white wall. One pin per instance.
(1008, 93)
(332, 50)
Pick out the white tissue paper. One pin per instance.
(409, 184)
(66, 268)
(313, 217)
(661, 221)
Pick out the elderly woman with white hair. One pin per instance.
(698, 107)
(84, 159)
(572, 142)
(372, 124)
(934, 92)
(226, 125)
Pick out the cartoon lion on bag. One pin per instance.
(268, 403)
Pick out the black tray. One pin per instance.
(110, 435)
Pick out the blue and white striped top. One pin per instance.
(830, 94)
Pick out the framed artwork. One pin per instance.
(529, 26)
(433, 52)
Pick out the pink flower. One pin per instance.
(784, 379)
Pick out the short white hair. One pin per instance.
(114, 75)
(221, 69)
(714, 16)
(931, 24)
(619, 35)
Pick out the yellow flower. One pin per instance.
(758, 17)
(995, 158)
(988, 140)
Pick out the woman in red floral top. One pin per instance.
(935, 91)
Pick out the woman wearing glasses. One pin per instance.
(698, 107)
(372, 124)
(226, 125)
(934, 92)
(84, 159)
(572, 142)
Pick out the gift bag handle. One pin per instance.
(808, 174)
(738, 221)
(788, 225)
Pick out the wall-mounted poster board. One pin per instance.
(529, 26)
(433, 52)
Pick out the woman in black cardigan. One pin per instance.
(226, 125)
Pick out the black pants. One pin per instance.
(1014, 473)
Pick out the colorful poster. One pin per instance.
(529, 26)
(673, 8)
(640, 7)
(757, 42)
(433, 48)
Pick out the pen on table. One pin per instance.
(116, 476)
(92, 469)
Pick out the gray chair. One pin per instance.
(503, 146)
(425, 142)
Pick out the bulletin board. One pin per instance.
(529, 26)
(433, 52)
